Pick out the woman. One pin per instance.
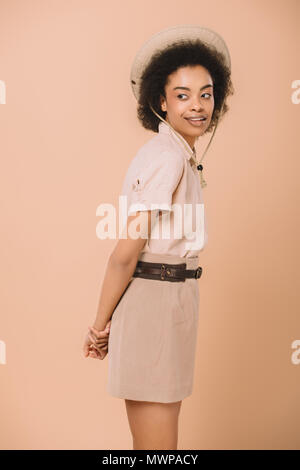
(150, 299)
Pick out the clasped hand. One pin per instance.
(96, 342)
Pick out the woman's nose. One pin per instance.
(197, 106)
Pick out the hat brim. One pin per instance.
(168, 36)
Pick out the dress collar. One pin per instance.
(164, 128)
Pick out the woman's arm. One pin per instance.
(121, 266)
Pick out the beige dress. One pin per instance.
(153, 334)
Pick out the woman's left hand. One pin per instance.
(96, 342)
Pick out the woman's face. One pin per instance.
(189, 94)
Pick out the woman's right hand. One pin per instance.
(96, 342)
(100, 341)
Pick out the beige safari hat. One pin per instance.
(167, 37)
(163, 39)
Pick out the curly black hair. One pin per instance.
(167, 61)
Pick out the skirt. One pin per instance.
(153, 336)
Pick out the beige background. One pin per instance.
(68, 132)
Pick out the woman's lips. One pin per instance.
(196, 123)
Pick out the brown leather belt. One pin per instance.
(166, 272)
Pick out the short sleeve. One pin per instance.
(152, 187)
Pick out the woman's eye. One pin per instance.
(183, 94)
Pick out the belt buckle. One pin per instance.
(162, 272)
(198, 272)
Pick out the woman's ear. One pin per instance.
(163, 103)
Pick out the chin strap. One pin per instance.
(191, 151)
